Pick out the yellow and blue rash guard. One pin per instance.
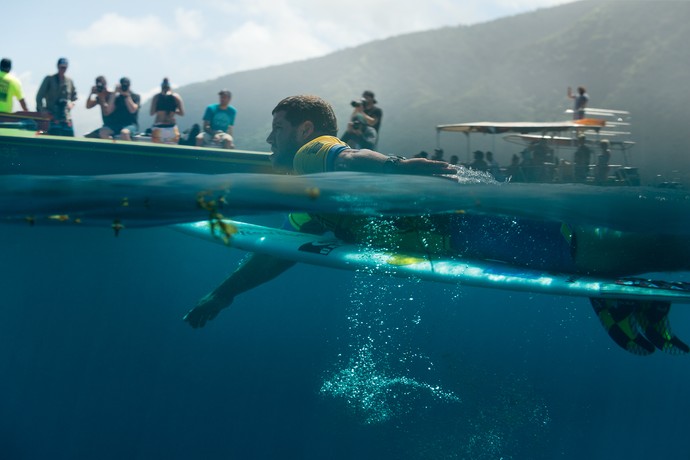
(464, 236)
(318, 155)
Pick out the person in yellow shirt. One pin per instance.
(10, 88)
(303, 142)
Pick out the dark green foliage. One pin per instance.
(631, 55)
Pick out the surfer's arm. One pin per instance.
(254, 271)
(370, 161)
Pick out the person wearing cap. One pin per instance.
(164, 106)
(56, 96)
(219, 120)
(372, 113)
(122, 112)
(10, 88)
(100, 95)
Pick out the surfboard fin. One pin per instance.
(637, 326)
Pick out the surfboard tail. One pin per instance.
(638, 326)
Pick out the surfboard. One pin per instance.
(334, 253)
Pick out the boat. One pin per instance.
(548, 147)
(26, 149)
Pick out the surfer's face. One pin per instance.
(284, 142)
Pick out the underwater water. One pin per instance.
(96, 363)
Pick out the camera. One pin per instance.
(100, 87)
(124, 86)
(357, 103)
(356, 124)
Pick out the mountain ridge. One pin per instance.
(515, 68)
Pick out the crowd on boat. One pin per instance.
(120, 107)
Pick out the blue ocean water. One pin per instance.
(96, 362)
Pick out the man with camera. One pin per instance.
(122, 112)
(56, 96)
(359, 135)
(372, 114)
(99, 96)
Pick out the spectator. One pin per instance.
(581, 159)
(372, 113)
(479, 164)
(56, 96)
(493, 167)
(602, 169)
(164, 106)
(359, 135)
(102, 96)
(10, 88)
(122, 112)
(219, 120)
(580, 102)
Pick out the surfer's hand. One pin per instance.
(207, 309)
(424, 167)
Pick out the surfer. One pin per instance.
(303, 142)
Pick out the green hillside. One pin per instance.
(630, 55)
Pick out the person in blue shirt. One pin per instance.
(219, 120)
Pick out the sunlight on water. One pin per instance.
(371, 392)
(375, 381)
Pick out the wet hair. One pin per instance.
(5, 65)
(299, 109)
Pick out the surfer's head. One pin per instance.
(296, 121)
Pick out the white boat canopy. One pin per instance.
(491, 127)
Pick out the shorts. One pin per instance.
(165, 134)
(116, 129)
(209, 141)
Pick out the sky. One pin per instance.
(205, 39)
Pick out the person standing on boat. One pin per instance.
(580, 102)
(602, 168)
(10, 88)
(164, 107)
(219, 120)
(371, 112)
(359, 135)
(583, 156)
(122, 112)
(56, 96)
(99, 96)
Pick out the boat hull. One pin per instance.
(30, 152)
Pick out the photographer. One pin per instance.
(56, 96)
(359, 135)
(122, 113)
(99, 96)
(367, 107)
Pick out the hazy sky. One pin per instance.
(204, 39)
